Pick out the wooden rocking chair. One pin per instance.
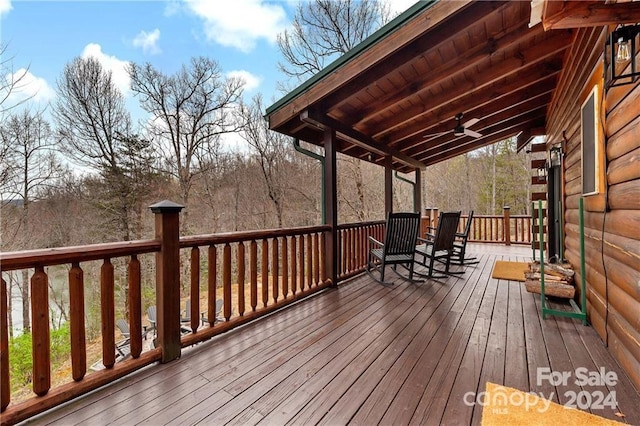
(398, 248)
(440, 245)
(460, 246)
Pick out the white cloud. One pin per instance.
(251, 81)
(148, 42)
(117, 66)
(28, 87)
(239, 23)
(5, 7)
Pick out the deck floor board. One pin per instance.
(367, 354)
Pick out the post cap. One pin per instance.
(166, 206)
(506, 207)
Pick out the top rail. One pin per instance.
(236, 237)
(11, 261)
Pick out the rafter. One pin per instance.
(489, 124)
(541, 55)
(475, 104)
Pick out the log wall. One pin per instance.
(612, 218)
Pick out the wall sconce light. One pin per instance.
(542, 172)
(555, 156)
(620, 51)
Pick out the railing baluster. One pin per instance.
(76, 320)
(226, 280)
(40, 332)
(107, 298)
(301, 262)
(194, 309)
(316, 258)
(5, 384)
(274, 269)
(135, 306)
(285, 268)
(253, 260)
(309, 261)
(265, 272)
(294, 270)
(241, 271)
(212, 282)
(323, 251)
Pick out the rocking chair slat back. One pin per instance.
(446, 231)
(402, 233)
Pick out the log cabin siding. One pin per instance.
(612, 235)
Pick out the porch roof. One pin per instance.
(411, 79)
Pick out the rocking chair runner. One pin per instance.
(440, 245)
(398, 247)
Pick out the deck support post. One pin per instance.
(506, 225)
(331, 199)
(168, 278)
(417, 193)
(388, 185)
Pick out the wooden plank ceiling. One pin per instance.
(479, 58)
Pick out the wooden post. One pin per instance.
(417, 192)
(434, 217)
(506, 225)
(168, 278)
(330, 197)
(388, 185)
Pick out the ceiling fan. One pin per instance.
(461, 129)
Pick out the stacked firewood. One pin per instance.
(558, 280)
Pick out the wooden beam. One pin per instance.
(358, 138)
(580, 14)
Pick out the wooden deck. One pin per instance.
(367, 354)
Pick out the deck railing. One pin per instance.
(253, 273)
(491, 228)
(353, 246)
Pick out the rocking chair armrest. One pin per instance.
(374, 241)
(425, 240)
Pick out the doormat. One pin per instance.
(513, 271)
(507, 406)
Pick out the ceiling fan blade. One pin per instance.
(471, 122)
(472, 133)
(433, 135)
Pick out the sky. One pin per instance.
(42, 36)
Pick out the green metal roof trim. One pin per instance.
(374, 38)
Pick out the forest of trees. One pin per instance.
(82, 171)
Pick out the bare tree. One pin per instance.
(90, 114)
(321, 31)
(272, 148)
(10, 81)
(189, 110)
(324, 29)
(30, 167)
(94, 129)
